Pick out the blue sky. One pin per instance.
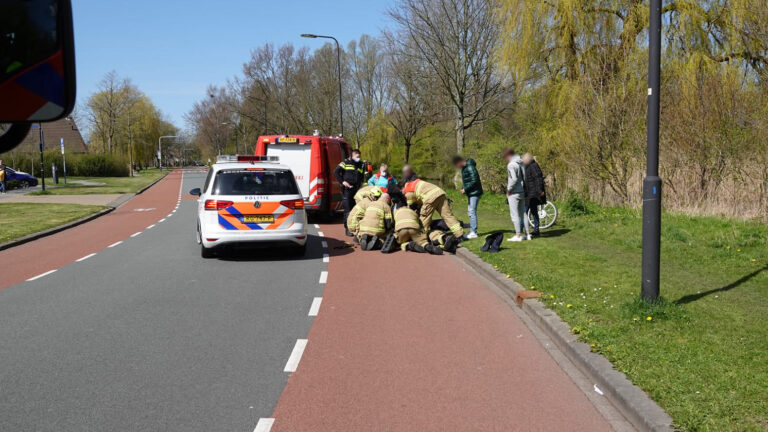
(172, 50)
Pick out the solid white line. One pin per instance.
(115, 244)
(41, 275)
(325, 244)
(315, 308)
(323, 277)
(85, 257)
(161, 221)
(320, 234)
(264, 425)
(137, 234)
(326, 258)
(293, 360)
(151, 226)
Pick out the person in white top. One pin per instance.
(516, 195)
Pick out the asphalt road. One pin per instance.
(146, 336)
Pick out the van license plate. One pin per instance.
(259, 219)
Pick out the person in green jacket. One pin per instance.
(473, 189)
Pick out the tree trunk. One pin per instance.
(407, 150)
(459, 135)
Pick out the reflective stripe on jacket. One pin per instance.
(422, 191)
(356, 214)
(364, 192)
(375, 218)
(351, 172)
(406, 218)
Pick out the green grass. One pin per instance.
(19, 220)
(702, 352)
(107, 185)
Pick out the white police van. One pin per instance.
(250, 200)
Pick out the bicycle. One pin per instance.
(547, 215)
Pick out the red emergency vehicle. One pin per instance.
(312, 160)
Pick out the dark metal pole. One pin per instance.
(42, 162)
(341, 104)
(652, 183)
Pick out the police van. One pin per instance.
(312, 160)
(250, 200)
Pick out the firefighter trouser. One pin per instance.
(443, 208)
(347, 201)
(437, 238)
(407, 235)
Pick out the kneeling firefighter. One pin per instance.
(376, 223)
(370, 193)
(358, 211)
(409, 233)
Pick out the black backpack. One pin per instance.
(493, 242)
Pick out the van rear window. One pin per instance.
(245, 182)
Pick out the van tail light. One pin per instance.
(217, 205)
(293, 204)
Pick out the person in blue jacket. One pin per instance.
(383, 179)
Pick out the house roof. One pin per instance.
(53, 132)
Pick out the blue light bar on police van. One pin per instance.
(251, 159)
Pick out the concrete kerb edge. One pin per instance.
(112, 206)
(55, 230)
(636, 406)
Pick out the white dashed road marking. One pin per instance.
(320, 234)
(115, 244)
(315, 308)
(325, 244)
(326, 258)
(135, 235)
(161, 221)
(264, 425)
(317, 226)
(41, 275)
(293, 360)
(85, 257)
(151, 226)
(323, 277)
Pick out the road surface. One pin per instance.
(118, 324)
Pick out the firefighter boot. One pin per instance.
(451, 243)
(390, 245)
(414, 247)
(432, 249)
(364, 239)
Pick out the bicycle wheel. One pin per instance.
(547, 215)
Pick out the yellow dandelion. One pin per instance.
(533, 286)
(649, 319)
(634, 319)
(508, 276)
(552, 296)
(738, 250)
(569, 306)
(754, 260)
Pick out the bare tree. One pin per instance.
(106, 107)
(408, 92)
(457, 39)
(367, 88)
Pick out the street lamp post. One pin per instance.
(160, 148)
(338, 58)
(652, 182)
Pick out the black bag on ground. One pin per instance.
(493, 242)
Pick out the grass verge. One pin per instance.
(102, 185)
(701, 352)
(21, 219)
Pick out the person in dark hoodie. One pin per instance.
(535, 190)
(473, 189)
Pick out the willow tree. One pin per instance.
(586, 60)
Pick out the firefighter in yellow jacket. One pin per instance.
(370, 193)
(357, 213)
(376, 223)
(410, 234)
(432, 199)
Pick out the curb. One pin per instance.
(144, 189)
(52, 231)
(636, 406)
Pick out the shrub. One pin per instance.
(575, 205)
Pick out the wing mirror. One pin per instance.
(196, 191)
(37, 65)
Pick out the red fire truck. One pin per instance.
(312, 160)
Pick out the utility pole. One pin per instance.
(160, 148)
(652, 183)
(41, 148)
(338, 58)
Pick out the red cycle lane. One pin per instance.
(411, 342)
(20, 263)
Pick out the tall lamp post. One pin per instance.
(338, 56)
(160, 148)
(652, 183)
